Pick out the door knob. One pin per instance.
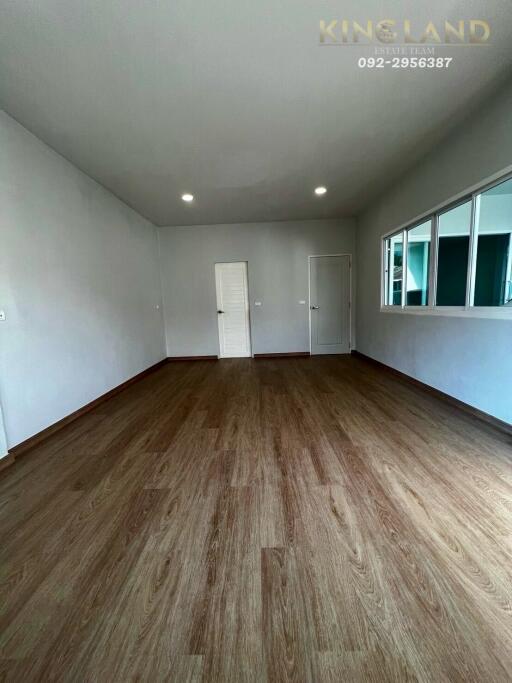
(220, 311)
(314, 308)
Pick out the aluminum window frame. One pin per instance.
(472, 194)
(416, 224)
(386, 273)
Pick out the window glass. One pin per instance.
(452, 255)
(418, 264)
(413, 259)
(493, 285)
(394, 269)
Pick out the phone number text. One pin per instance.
(404, 62)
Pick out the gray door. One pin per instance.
(330, 304)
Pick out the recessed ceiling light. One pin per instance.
(320, 190)
(187, 197)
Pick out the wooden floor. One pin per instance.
(270, 520)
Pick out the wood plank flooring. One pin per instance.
(309, 520)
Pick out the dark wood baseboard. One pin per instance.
(36, 439)
(291, 354)
(6, 461)
(173, 359)
(454, 402)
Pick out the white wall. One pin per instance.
(3, 438)
(468, 358)
(277, 256)
(79, 284)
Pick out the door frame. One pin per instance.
(312, 256)
(246, 261)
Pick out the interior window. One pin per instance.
(493, 278)
(394, 269)
(452, 255)
(463, 253)
(418, 264)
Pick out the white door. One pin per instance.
(329, 302)
(233, 310)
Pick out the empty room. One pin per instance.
(255, 341)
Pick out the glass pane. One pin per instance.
(418, 264)
(452, 255)
(394, 270)
(493, 285)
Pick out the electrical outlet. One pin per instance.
(2, 316)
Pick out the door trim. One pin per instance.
(312, 256)
(247, 288)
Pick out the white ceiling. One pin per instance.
(235, 101)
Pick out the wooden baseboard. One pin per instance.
(6, 461)
(454, 402)
(291, 354)
(36, 439)
(173, 359)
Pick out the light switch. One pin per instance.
(257, 303)
(302, 302)
(2, 316)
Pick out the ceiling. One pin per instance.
(236, 101)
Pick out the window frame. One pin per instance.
(469, 309)
(416, 224)
(386, 273)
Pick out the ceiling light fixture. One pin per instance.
(187, 197)
(320, 190)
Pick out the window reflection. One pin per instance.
(452, 255)
(493, 279)
(418, 264)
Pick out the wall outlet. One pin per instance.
(2, 316)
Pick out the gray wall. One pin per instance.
(277, 255)
(78, 282)
(3, 438)
(468, 358)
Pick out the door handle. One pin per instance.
(220, 311)
(314, 308)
